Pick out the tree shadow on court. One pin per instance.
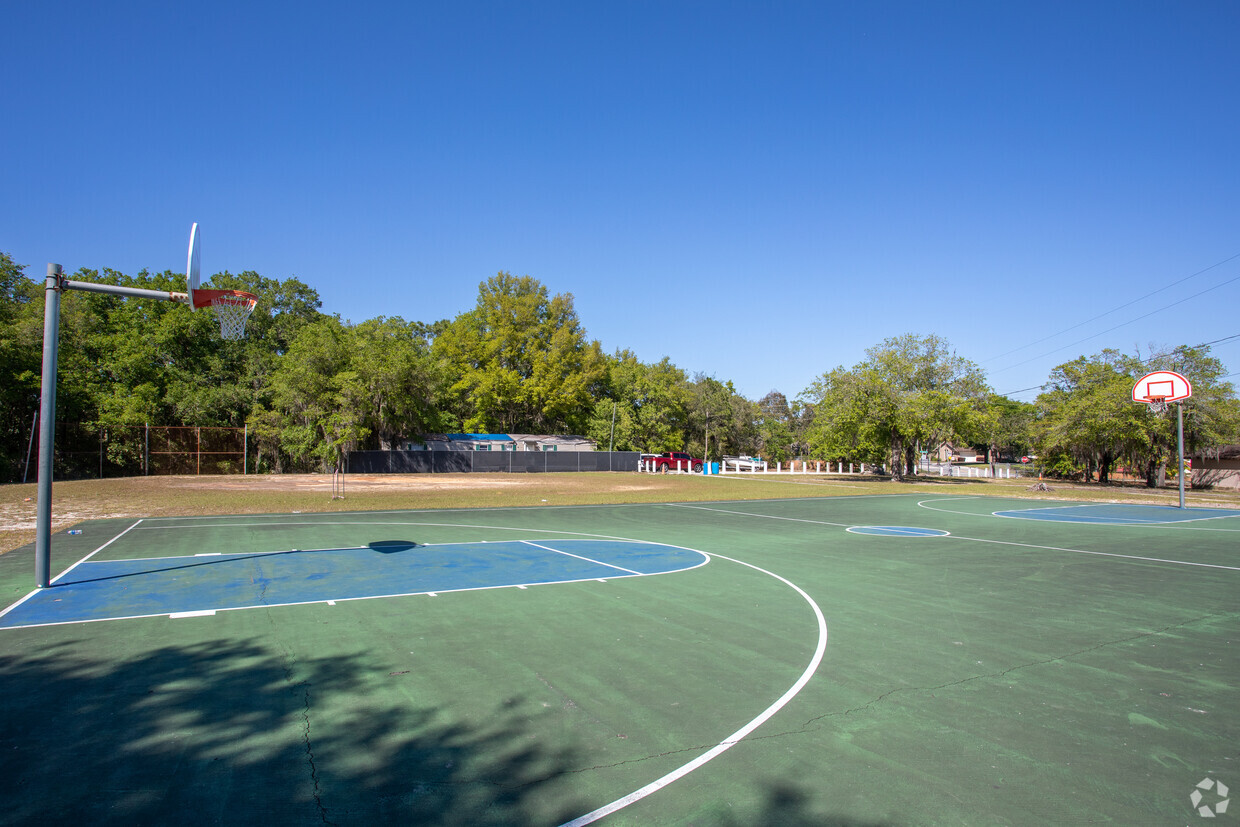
(228, 731)
(790, 805)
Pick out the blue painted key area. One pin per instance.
(138, 588)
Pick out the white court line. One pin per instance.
(249, 554)
(896, 531)
(71, 568)
(810, 479)
(192, 559)
(1101, 553)
(1168, 524)
(1018, 514)
(367, 517)
(762, 516)
(19, 602)
(587, 559)
(373, 523)
(96, 551)
(736, 737)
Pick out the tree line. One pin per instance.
(310, 386)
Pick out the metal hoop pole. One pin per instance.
(55, 283)
(1179, 416)
(47, 425)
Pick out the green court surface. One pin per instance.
(879, 660)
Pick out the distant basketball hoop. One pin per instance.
(1160, 387)
(1156, 390)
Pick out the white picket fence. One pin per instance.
(979, 471)
(794, 467)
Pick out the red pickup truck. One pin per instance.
(676, 461)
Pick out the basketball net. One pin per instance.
(232, 309)
(1158, 404)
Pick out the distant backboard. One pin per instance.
(1161, 386)
(193, 267)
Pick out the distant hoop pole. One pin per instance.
(1179, 421)
(338, 481)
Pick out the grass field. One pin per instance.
(631, 649)
(188, 496)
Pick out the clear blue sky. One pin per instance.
(759, 191)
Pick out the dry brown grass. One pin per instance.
(135, 497)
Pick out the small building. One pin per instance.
(951, 453)
(500, 442)
(1217, 468)
(546, 442)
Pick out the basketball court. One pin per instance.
(904, 659)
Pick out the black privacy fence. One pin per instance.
(464, 462)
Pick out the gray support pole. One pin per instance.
(245, 450)
(1179, 417)
(47, 425)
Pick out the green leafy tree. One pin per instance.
(777, 427)
(521, 361)
(721, 421)
(20, 360)
(848, 421)
(397, 382)
(1007, 426)
(650, 403)
(318, 401)
(911, 390)
(1086, 419)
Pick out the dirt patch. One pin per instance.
(352, 482)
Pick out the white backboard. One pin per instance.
(193, 267)
(1165, 384)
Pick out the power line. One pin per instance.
(1194, 347)
(1150, 359)
(1124, 324)
(1114, 310)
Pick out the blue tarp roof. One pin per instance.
(479, 437)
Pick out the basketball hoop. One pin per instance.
(1161, 387)
(1158, 404)
(232, 309)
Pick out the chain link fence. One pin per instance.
(87, 451)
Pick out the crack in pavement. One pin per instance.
(290, 662)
